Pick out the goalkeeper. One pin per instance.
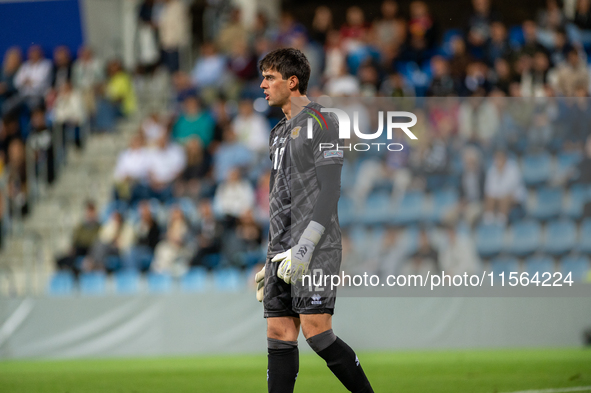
(304, 235)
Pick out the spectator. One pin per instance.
(147, 33)
(252, 129)
(119, 89)
(475, 82)
(16, 169)
(194, 122)
(166, 162)
(334, 55)
(146, 235)
(530, 34)
(498, 45)
(33, 78)
(233, 33)
(242, 246)
(83, 237)
(458, 254)
(230, 154)
(322, 24)
(560, 49)
(234, 196)
(459, 59)
(62, 67)
(115, 239)
(131, 169)
(479, 24)
(501, 77)
(550, 20)
(503, 189)
(442, 83)
(152, 128)
(210, 67)
(192, 180)
(580, 30)
(173, 32)
(8, 91)
(171, 254)
(87, 76)
(390, 30)
(8, 132)
(69, 112)
(262, 198)
(421, 32)
(209, 236)
(570, 75)
(424, 259)
(354, 30)
(40, 139)
(478, 121)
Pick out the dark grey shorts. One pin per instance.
(283, 299)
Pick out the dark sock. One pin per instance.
(283, 365)
(341, 360)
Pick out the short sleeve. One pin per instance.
(326, 143)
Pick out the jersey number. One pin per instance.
(277, 156)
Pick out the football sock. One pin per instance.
(283, 365)
(341, 360)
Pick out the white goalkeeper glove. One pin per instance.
(295, 261)
(259, 278)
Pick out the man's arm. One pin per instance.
(329, 181)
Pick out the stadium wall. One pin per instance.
(190, 324)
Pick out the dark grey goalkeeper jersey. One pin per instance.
(294, 185)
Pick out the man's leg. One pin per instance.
(283, 356)
(339, 357)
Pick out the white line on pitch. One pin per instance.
(561, 390)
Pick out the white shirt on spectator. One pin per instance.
(234, 198)
(152, 130)
(132, 164)
(37, 75)
(504, 183)
(69, 108)
(173, 24)
(253, 131)
(164, 165)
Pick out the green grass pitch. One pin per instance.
(474, 371)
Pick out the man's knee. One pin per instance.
(285, 329)
(315, 324)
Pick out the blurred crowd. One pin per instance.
(192, 187)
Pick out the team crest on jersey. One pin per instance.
(295, 132)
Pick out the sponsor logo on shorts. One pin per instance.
(316, 299)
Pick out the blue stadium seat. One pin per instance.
(567, 160)
(560, 237)
(378, 209)
(504, 264)
(159, 282)
(410, 209)
(410, 239)
(195, 280)
(539, 264)
(112, 207)
(578, 266)
(127, 282)
(489, 240)
(61, 283)
(228, 280)
(536, 169)
(443, 201)
(359, 236)
(93, 283)
(548, 204)
(189, 210)
(578, 196)
(585, 236)
(525, 238)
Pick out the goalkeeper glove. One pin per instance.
(295, 261)
(259, 278)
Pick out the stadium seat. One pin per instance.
(578, 266)
(228, 280)
(195, 280)
(525, 238)
(548, 204)
(112, 207)
(560, 237)
(504, 264)
(410, 208)
(565, 161)
(584, 244)
(61, 283)
(489, 239)
(378, 209)
(536, 169)
(159, 282)
(93, 283)
(443, 201)
(127, 282)
(539, 264)
(578, 196)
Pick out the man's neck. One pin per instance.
(294, 106)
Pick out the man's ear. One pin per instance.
(293, 82)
